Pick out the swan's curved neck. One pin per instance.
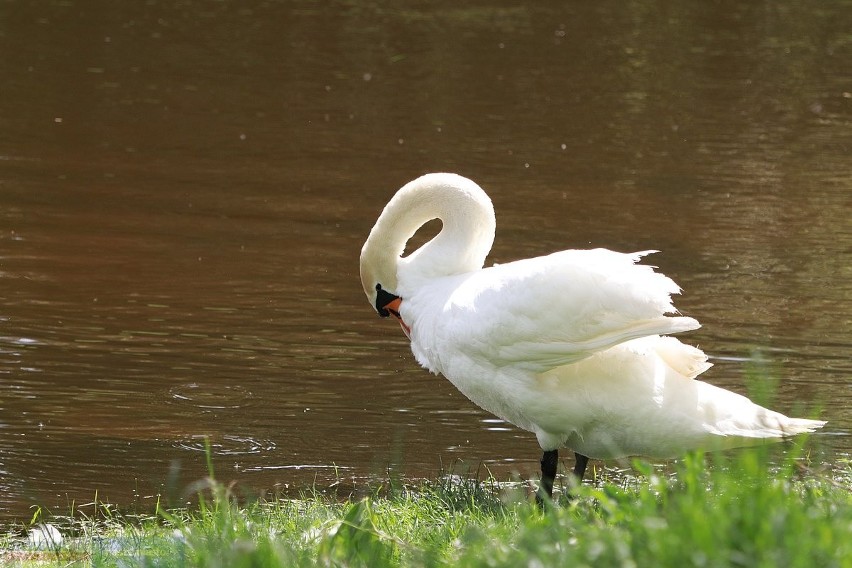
(461, 246)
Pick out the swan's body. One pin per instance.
(571, 346)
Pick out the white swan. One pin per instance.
(569, 346)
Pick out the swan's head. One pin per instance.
(467, 232)
(382, 299)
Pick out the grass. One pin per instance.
(738, 509)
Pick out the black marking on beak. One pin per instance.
(383, 298)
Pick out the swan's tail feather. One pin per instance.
(794, 426)
(662, 325)
(769, 425)
(685, 359)
(732, 416)
(776, 425)
(682, 323)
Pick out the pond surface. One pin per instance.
(185, 188)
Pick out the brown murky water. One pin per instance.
(185, 187)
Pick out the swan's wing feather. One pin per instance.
(548, 311)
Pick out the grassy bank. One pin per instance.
(735, 510)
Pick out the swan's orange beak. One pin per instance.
(393, 307)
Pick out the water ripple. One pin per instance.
(207, 397)
(227, 445)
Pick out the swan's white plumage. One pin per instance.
(571, 346)
(543, 312)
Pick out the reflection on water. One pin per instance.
(185, 187)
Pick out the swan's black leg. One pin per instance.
(580, 462)
(549, 461)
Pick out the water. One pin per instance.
(185, 187)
